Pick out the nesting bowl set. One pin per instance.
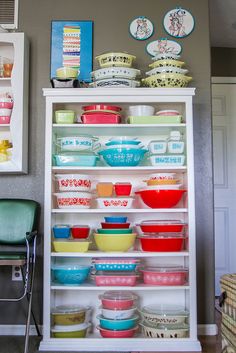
(115, 71)
(118, 318)
(166, 71)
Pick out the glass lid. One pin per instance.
(118, 295)
(165, 310)
(66, 309)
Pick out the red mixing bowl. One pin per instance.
(107, 225)
(162, 243)
(160, 198)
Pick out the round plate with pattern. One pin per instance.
(141, 28)
(178, 23)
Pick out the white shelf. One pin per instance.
(116, 126)
(138, 287)
(126, 170)
(131, 254)
(129, 210)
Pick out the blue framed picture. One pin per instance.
(72, 46)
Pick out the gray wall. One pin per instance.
(223, 62)
(111, 19)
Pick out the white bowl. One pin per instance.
(73, 199)
(167, 69)
(115, 82)
(5, 112)
(73, 182)
(141, 110)
(118, 314)
(111, 72)
(115, 202)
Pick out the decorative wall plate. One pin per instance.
(163, 46)
(178, 23)
(141, 28)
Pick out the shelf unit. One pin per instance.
(87, 293)
(15, 46)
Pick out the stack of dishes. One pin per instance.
(101, 114)
(166, 71)
(70, 321)
(118, 318)
(76, 151)
(115, 235)
(115, 71)
(164, 321)
(123, 151)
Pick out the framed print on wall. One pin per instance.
(72, 46)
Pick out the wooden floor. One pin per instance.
(210, 344)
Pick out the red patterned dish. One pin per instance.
(73, 199)
(118, 203)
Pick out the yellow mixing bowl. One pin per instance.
(114, 242)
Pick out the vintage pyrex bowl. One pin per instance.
(114, 242)
(73, 199)
(167, 80)
(70, 331)
(64, 116)
(162, 242)
(115, 219)
(115, 225)
(167, 69)
(161, 198)
(165, 331)
(166, 62)
(118, 314)
(71, 245)
(117, 333)
(61, 231)
(115, 202)
(77, 143)
(163, 56)
(115, 264)
(165, 275)
(73, 182)
(115, 278)
(69, 314)
(116, 299)
(114, 231)
(115, 82)
(113, 324)
(115, 59)
(164, 314)
(75, 159)
(123, 157)
(70, 274)
(111, 72)
(66, 72)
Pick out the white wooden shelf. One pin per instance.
(113, 170)
(129, 210)
(91, 287)
(137, 254)
(112, 126)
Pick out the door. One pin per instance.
(224, 156)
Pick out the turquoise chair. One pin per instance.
(18, 236)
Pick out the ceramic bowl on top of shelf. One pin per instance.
(115, 72)
(69, 314)
(115, 82)
(114, 242)
(71, 245)
(167, 69)
(165, 275)
(141, 110)
(123, 157)
(73, 199)
(118, 300)
(64, 116)
(115, 59)
(164, 314)
(166, 80)
(115, 202)
(165, 331)
(167, 62)
(73, 182)
(67, 72)
(161, 198)
(70, 273)
(164, 56)
(70, 331)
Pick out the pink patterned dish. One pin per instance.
(115, 278)
(165, 276)
(73, 199)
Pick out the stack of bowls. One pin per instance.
(123, 151)
(115, 71)
(101, 114)
(166, 71)
(164, 321)
(115, 235)
(6, 105)
(70, 321)
(118, 318)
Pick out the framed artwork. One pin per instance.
(178, 23)
(72, 46)
(141, 28)
(163, 46)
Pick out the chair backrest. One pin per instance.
(17, 216)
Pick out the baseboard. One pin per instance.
(207, 330)
(17, 330)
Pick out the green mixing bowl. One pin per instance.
(114, 231)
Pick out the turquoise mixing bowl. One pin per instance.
(123, 156)
(110, 324)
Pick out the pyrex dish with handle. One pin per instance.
(75, 159)
(165, 275)
(114, 82)
(70, 274)
(73, 199)
(165, 331)
(115, 59)
(69, 314)
(162, 242)
(71, 245)
(115, 72)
